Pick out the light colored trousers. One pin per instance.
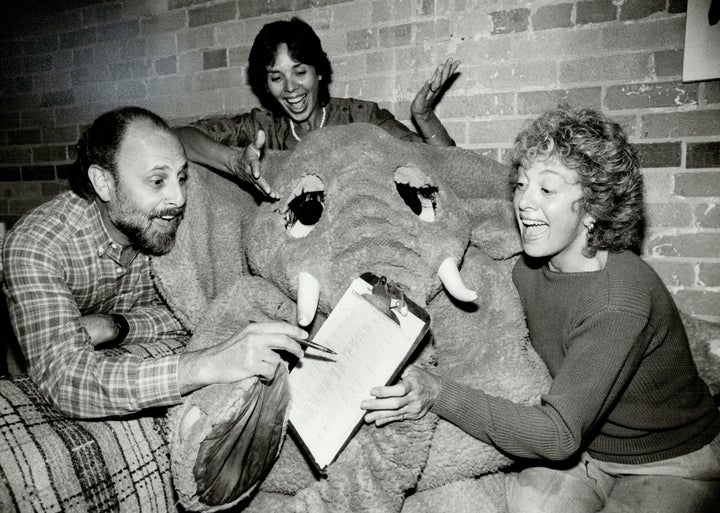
(685, 484)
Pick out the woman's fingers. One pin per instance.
(249, 163)
(256, 149)
(410, 399)
(443, 73)
(389, 404)
(436, 80)
(265, 188)
(381, 421)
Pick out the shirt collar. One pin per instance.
(105, 244)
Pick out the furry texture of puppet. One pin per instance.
(401, 210)
(234, 436)
(355, 200)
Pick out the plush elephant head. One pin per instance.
(430, 220)
(356, 199)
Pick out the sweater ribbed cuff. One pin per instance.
(448, 404)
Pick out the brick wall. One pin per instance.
(66, 61)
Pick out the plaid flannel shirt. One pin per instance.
(60, 264)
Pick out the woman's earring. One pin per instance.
(590, 226)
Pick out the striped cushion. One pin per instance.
(51, 463)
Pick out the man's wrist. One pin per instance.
(189, 372)
(121, 326)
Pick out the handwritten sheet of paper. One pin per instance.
(328, 389)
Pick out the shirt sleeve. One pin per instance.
(152, 323)
(371, 112)
(603, 354)
(232, 131)
(78, 380)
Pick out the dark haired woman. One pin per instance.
(290, 73)
(628, 425)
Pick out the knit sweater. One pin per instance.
(625, 387)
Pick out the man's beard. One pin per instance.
(138, 226)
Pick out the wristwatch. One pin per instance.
(122, 326)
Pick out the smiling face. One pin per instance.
(294, 85)
(147, 202)
(547, 207)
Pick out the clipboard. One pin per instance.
(373, 344)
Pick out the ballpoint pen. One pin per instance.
(315, 345)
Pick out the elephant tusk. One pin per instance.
(308, 296)
(450, 277)
(189, 420)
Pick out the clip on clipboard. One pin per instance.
(374, 329)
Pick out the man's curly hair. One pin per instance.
(607, 167)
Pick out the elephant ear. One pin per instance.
(495, 231)
(221, 449)
(236, 456)
(470, 174)
(481, 183)
(224, 438)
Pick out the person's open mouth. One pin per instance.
(533, 229)
(297, 104)
(168, 220)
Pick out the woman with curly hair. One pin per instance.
(628, 424)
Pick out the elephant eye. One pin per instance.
(305, 207)
(417, 191)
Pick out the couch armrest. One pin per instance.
(51, 463)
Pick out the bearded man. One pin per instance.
(77, 280)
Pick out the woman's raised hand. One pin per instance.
(424, 102)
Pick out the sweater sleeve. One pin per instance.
(603, 354)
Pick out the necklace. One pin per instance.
(292, 125)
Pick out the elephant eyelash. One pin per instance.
(413, 196)
(419, 199)
(417, 191)
(306, 208)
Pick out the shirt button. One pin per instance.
(113, 245)
(119, 270)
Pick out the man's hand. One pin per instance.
(246, 164)
(411, 398)
(251, 352)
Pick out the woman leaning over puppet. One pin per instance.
(627, 425)
(290, 73)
